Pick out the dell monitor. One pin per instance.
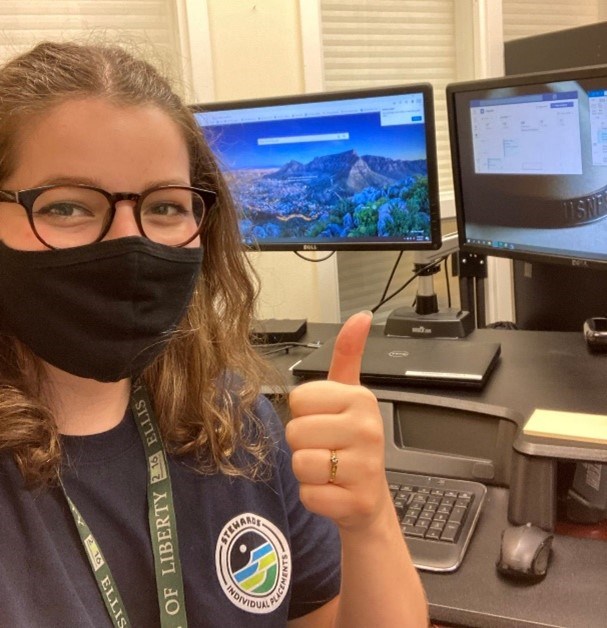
(529, 156)
(354, 170)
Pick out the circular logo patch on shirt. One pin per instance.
(253, 562)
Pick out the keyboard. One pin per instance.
(437, 515)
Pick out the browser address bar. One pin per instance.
(296, 139)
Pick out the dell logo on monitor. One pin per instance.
(309, 247)
(579, 262)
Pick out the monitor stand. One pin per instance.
(448, 323)
(425, 320)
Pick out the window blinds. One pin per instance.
(386, 42)
(147, 26)
(524, 18)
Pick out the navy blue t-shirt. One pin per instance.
(251, 554)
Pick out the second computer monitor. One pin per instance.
(529, 157)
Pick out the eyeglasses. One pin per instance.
(64, 216)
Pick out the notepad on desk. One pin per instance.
(588, 428)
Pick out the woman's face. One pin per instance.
(92, 141)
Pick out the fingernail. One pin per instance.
(369, 313)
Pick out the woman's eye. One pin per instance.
(64, 209)
(166, 209)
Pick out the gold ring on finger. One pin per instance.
(333, 460)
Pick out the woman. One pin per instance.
(126, 305)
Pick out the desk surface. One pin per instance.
(572, 595)
(536, 369)
(564, 375)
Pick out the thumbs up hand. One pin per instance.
(336, 434)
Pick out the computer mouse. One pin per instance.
(524, 552)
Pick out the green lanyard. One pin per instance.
(163, 530)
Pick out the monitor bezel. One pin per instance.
(431, 158)
(512, 80)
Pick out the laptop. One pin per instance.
(393, 361)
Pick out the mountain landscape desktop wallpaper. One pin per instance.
(369, 183)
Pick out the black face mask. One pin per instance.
(102, 311)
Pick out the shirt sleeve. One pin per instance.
(314, 540)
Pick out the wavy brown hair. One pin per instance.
(205, 383)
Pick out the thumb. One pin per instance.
(349, 347)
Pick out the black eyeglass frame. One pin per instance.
(27, 197)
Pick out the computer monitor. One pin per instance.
(353, 170)
(529, 156)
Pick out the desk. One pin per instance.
(536, 369)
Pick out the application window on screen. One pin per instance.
(597, 106)
(529, 134)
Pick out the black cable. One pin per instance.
(278, 347)
(416, 274)
(308, 259)
(396, 263)
(446, 267)
(284, 343)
